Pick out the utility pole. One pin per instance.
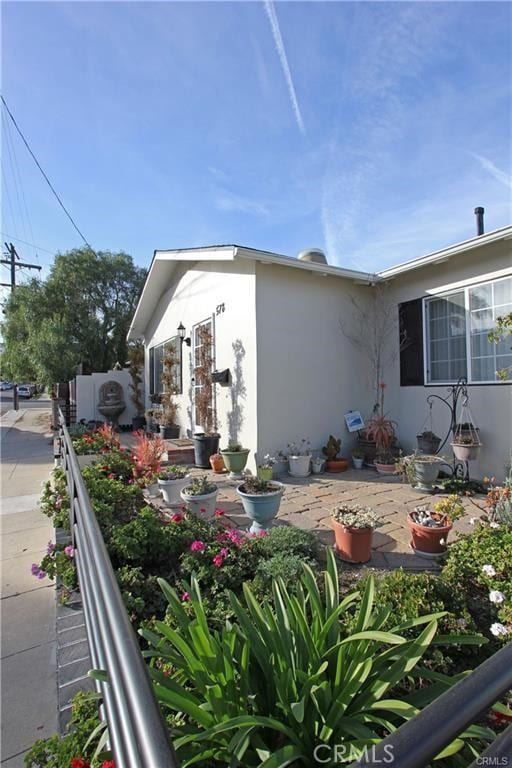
(13, 264)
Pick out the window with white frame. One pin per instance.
(156, 355)
(457, 325)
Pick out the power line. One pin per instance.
(19, 240)
(44, 174)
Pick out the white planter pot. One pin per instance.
(317, 466)
(466, 451)
(358, 463)
(299, 465)
(152, 490)
(202, 506)
(171, 490)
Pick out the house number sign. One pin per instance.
(219, 309)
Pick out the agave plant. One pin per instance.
(281, 680)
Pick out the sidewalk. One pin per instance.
(29, 687)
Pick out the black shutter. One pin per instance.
(410, 320)
(152, 371)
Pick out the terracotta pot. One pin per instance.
(336, 465)
(426, 540)
(384, 469)
(354, 545)
(217, 463)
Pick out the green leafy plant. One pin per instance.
(200, 486)
(99, 440)
(332, 448)
(173, 472)
(253, 485)
(283, 678)
(233, 447)
(55, 500)
(354, 516)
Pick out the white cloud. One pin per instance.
(278, 39)
(230, 201)
(496, 173)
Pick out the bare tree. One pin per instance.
(373, 329)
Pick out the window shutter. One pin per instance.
(410, 320)
(152, 371)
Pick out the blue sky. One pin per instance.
(371, 130)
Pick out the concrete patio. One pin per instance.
(307, 503)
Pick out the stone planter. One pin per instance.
(201, 506)
(299, 465)
(171, 489)
(466, 451)
(235, 461)
(152, 490)
(428, 541)
(354, 545)
(425, 474)
(262, 508)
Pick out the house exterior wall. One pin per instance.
(309, 374)
(224, 291)
(490, 404)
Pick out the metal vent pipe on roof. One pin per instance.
(479, 213)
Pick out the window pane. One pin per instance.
(482, 320)
(480, 297)
(480, 345)
(447, 337)
(483, 369)
(504, 363)
(503, 292)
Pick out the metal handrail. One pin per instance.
(421, 738)
(137, 731)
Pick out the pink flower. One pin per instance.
(224, 552)
(176, 517)
(218, 561)
(37, 571)
(185, 598)
(262, 534)
(41, 574)
(50, 548)
(197, 546)
(219, 512)
(69, 551)
(235, 537)
(202, 509)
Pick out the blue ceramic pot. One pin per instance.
(262, 508)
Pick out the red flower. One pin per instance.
(108, 764)
(202, 509)
(79, 762)
(185, 598)
(218, 561)
(219, 512)
(176, 517)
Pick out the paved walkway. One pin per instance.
(29, 689)
(307, 503)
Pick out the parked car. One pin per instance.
(24, 390)
(5, 385)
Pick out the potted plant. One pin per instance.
(147, 456)
(207, 441)
(299, 458)
(169, 429)
(217, 463)
(381, 431)
(171, 480)
(266, 467)
(428, 442)
(200, 496)
(466, 448)
(317, 465)
(430, 529)
(421, 470)
(151, 423)
(281, 465)
(353, 531)
(261, 500)
(358, 458)
(136, 364)
(331, 451)
(235, 458)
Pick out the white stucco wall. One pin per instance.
(309, 373)
(87, 391)
(491, 405)
(192, 297)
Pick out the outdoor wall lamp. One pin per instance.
(181, 333)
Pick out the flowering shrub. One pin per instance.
(55, 500)
(58, 562)
(99, 441)
(478, 564)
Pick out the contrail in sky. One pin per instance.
(272, 17)
(495, 172)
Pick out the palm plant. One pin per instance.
(270, 687)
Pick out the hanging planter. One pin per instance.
(428, 442)
(466, 451)
(466, 441)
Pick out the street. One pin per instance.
(33, 402)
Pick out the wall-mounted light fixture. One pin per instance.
(182, 333)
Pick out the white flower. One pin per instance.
(488, 570)
(494, 525)
(498, 630)
(461, 623)
(496, 597)
(472, 520)
(442, 542)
